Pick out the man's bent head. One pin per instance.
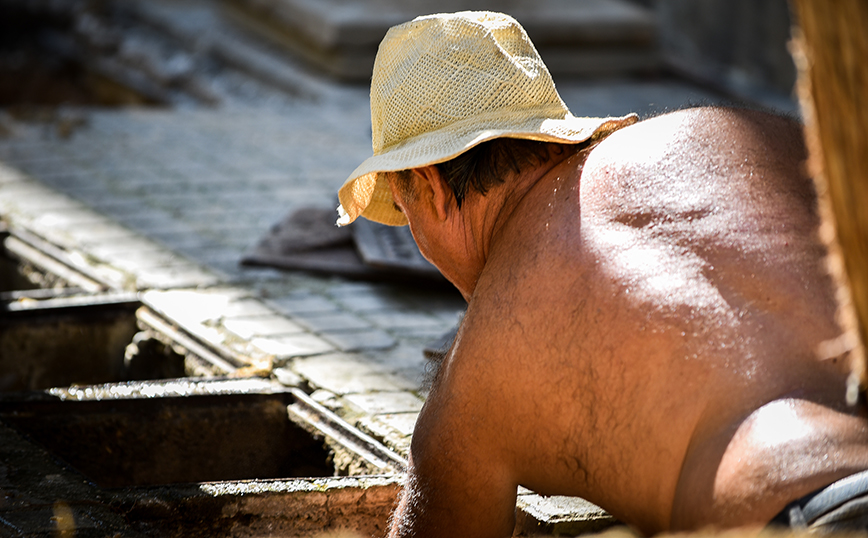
(443, 84)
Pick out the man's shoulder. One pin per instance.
(710, 122)
(676, 162)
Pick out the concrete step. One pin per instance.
(574, 37)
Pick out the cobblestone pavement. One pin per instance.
(166, 201)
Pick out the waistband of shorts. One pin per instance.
(804, 511)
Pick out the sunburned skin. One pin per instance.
(642, 331)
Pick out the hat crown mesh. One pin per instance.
(438, 70)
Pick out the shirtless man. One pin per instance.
(647, 301)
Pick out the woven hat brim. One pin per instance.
(366, 193)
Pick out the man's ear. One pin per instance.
(434, 185)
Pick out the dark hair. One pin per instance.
(488, 164)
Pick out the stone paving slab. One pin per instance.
(343, 374)
(386, 402)
(394, 429)
(269, 325)
(334, 321)
(302, 303)
(370, 340)
(560, 516)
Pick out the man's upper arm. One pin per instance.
(460, 480)
(447, 500)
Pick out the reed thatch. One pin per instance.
(830, 48)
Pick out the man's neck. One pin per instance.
(484, 217)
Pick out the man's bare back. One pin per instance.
(643, 329)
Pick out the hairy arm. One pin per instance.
(460, 481)
(442, 503)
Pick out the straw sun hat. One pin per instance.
(445, 83)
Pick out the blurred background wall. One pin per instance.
(739, 44)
